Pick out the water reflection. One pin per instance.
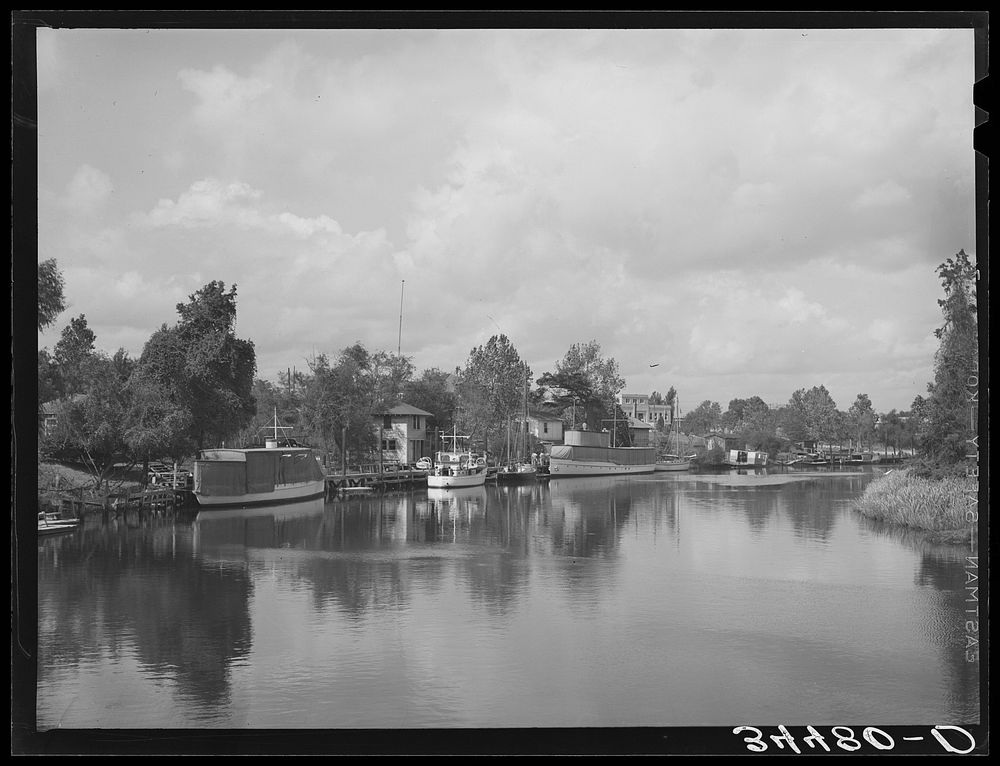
(576, 601)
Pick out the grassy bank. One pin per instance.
(935, 506)
(55, 479)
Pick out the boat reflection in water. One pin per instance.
(462, 502)
(219, 533)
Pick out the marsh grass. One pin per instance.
(935, 505)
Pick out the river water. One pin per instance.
(645, 601)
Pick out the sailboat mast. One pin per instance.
(524, 442)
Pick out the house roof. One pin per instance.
(55, 406)
(405, 409)
(640, 424)
(538, 415)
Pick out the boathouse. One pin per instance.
(638, 431)
(402, 430)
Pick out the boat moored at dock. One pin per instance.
(589, 453)
(743, 458)
(282, 471)
(53, 523)
(457, 466)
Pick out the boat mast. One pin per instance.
(524, 441)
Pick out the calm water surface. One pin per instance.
(660, 600)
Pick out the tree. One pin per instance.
(811, 415)
(492, 387)
(340, 401)
(861, 419)
(219, 368)
(431, 392)
(951, 410)
(51, 301)
(193, 384)
(704, 418)
(160, 422)
(72, 354)
(92, 424)
(48, 377)
(585, 379)
(751, 414)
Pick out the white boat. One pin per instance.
(281, 471)
(457, 467)
(589, 453)
(743, 458)
(673, 463)
(52, 523)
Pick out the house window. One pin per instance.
(387, 421)
(545, 427)
(416, 421)
(389, 445)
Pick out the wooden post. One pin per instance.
(343, 451)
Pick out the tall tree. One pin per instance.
(431, 392)
(72, 355)
(219, 368)
(862, 419)
(160, 422)
(585, 379)
(811, 415)
(51, 301)
(492, 387)
(704, 418)
(751, 414)
(951, 408)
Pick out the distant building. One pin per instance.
(639, 407)
(403, 431)
(721, 442)
(48, 413)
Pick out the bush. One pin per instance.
(907, 499)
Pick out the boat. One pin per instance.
(814, 458)
(457, 467)
(743, 458)
(516, 472)
(787, 459)
(861, 458)
(589, 453)
(282, 471)
(674, 462)
(52, 524)
(520, 469)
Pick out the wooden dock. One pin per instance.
(361, 479)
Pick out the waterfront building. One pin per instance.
(402, 430)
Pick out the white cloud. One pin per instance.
(88, 189)
(885, 194)
(740, 205)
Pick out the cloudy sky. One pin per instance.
(755, 211)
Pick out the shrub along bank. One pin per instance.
(938, 506)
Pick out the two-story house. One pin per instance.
(639, 407)
(403, 433)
